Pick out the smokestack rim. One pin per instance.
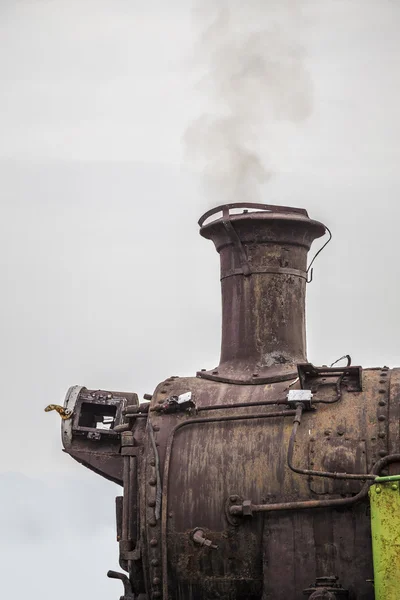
(260, 213)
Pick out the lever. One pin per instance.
(128, 593)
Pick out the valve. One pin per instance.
(200, 539)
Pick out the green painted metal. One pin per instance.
(385, 527)
(388, 478)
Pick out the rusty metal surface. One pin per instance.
(212, 461)
(263, 279)
(211, 509)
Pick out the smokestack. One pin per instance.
(263, 280)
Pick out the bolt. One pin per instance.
(381, 435)
(163, 391)
(382, 453)
(156, 428)
(153, 542)
(394, 487)
(255, 374)
(155, 562)
(327, 432)
(151, 503)
(382, 403)
(153, 462)
(153, 481)
(152, 522)
(215, 372)
(156, 581)
(381, 418)
(233, 498)
(170, 514)
(378, 490)
(382, 391)
(156, 594)
(340, 430)
(161, 401)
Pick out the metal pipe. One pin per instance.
(278, 402)
(386, 479)
(237, 510)
(338, 392)
(242, 405)
(157, 510)
(133, 504)
(126, 501)
(329, 475)
(167, 462)
(270, 415)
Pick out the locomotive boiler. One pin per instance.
(265, 477)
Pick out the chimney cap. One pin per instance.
(288, 224)
(268, 209)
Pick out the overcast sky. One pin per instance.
(106, 282)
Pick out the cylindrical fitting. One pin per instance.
(263, 278)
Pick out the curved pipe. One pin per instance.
(329, 475)
(237, 510)
(167, 461)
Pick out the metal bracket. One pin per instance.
(126, 553)
(130, 451)
(233, 500)
(175, 404)
(312, 377)
(232, 233)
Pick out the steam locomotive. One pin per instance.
(266, 477)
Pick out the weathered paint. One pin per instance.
(263, 257)
(234, 448)
(385, 525)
